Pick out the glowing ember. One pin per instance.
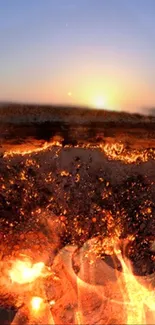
(25, 272)
(36, 303)
(52, 302)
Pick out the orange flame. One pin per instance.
(36, 303)
(23, 150)
(113, 151)
(136, 295)
(40, 312)
(25, 272)
(117, 151)
(125, 294)
(37, 311)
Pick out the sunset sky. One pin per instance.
(99, 53)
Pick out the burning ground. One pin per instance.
(82, 193)
(60, 193)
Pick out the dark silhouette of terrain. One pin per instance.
(19, 122)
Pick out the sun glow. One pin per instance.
(99, 102)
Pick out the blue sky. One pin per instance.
(78, 52)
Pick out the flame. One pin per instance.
(127, 296)
(36, 311)
(136, 295)
(40, 312)
(78, 318)
(117, 151)
(25, 272)
(27, 151)
(113, 150)
(36, 303)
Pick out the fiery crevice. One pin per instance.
(96, 293)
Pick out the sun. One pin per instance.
(99, 102)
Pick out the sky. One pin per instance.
(96, 53)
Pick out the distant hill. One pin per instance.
(26, 113)
(152, 111)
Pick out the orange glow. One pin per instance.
(40, 312)
(136, 295)
(26, 151)
(36, 303)
(117, 151)
(52, 302)
(78, 318)
(113, 151)
(25, 272)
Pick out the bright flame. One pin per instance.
(114, 151)
(40, 312)
(25, 272)
(78, 317)
(36, 303)
(117, 151)
(136, 295)
(23, 150)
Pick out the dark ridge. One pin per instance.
(19, 122)
(26, 113)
